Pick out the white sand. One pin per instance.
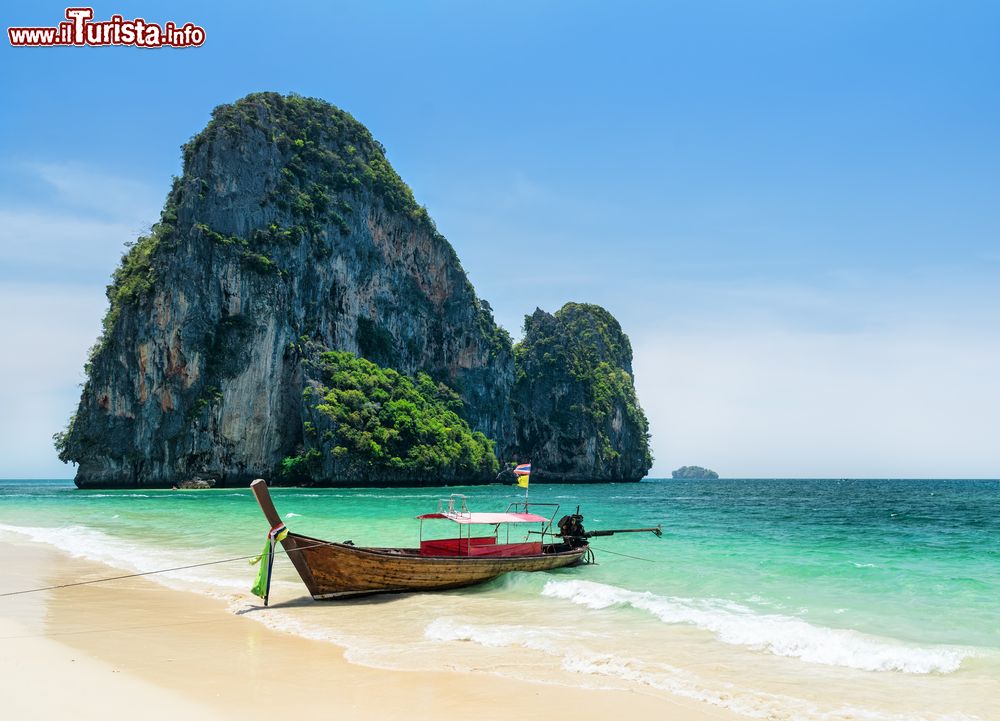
(134, 649)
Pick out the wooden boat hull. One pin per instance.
(336, 570)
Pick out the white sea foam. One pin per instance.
(116, 495)
(567, 649)
(678, 682)
(727, 695)
(781, 635)
(93, 545)
(293, 515)
(499, 635)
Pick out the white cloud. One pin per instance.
(56, 256)
(902, 402)
(47, 330)
(78, 234)
(39, 243)
(95, 191)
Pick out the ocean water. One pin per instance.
(776, 599)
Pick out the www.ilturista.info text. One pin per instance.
(80, 29)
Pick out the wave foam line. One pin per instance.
(776, 634)
(93, 545)
(500, 635)
(565, 649)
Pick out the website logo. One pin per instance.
(80, 29)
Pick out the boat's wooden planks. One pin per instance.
(333, 569)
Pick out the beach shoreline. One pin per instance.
(716, 620)
(110, 647)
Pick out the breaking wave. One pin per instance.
(567, 650)
(780, 635)
(93, 545)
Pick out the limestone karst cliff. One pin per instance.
(576, 412)
(287, 236)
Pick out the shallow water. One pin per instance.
(774, 598)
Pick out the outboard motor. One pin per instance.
(572, 531)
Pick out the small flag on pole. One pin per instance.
(523, 472)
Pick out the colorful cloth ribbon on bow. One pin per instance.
(262, 586)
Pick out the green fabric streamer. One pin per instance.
(262, 585)
(264, 572)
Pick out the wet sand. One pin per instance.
(134, 648)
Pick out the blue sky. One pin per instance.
(791, 207)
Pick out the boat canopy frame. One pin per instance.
(455, 508)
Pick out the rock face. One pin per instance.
(287, 224)
(577, 416)
(289, 235)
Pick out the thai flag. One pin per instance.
(522, 470)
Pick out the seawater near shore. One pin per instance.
(822, 612)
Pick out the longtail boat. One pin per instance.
(338, 570)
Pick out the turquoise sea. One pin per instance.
(832, 599)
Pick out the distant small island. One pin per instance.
(694, 472)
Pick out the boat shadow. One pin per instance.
(309, 602)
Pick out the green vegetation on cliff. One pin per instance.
(136, 273)
(694, 473)
(376, 421)
(311, 134)
(586, 343)
(574, 382)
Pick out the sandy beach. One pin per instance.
(106, 650)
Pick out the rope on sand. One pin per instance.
(144, 573)
(129, 575)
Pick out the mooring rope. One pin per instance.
(129, 575)
(625, 555)
(151, 573)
